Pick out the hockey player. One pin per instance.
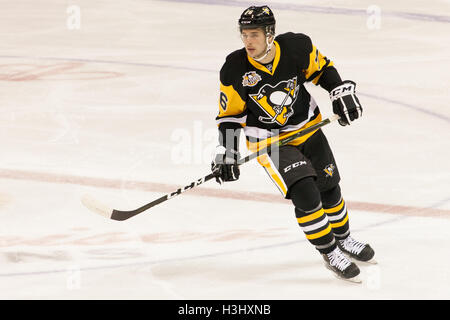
(262, 92)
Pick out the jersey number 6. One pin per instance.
(223, 101)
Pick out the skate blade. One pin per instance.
(356, 279)
(371, 261)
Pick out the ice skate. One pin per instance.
(357, 250)
(338, 262)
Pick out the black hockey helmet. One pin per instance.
(258, 17)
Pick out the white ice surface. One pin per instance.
(131, 98)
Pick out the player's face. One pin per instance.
(254, 41)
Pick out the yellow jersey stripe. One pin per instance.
(316, 62)
(256, 146)
(230, 103)
(259, 66)
(264, 160)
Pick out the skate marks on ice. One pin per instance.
(65, 70)
(5, 200)
(51, 253)
(35, 73)
(148, 253)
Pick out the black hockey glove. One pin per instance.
(225, 165)
(345, 102)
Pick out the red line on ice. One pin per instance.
(208, 192)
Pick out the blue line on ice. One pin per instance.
(321, 9)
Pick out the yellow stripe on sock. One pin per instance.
(339, 224)
(318, 234)
(311, 217)
(335, 209)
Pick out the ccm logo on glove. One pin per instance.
(342, 90)
(345, 102)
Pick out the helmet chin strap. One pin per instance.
(269, 46)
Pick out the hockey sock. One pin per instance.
(336, 210)
(311, 216)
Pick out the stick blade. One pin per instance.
(96, 206)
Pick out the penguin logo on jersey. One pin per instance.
(266, 10)
(277, 102)
(329, 170)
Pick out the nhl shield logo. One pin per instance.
(277, 101)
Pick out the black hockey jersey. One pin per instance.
(271, 103)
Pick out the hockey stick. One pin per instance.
(120, 215)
